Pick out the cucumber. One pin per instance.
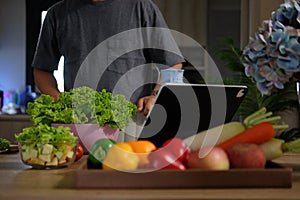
(214, 135)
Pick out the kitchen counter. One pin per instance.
(19, 181)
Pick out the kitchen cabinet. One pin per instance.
(188, 20)
(204, 23)
(207, 22)
(253, 13)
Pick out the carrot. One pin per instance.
(257, 134)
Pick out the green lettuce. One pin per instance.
(83, 105)
(4, 143)
(45, 134)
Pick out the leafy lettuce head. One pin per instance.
(83, 105)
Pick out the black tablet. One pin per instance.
(182, 110)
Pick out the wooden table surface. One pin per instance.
(18, 181)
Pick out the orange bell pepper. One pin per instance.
(142, 148)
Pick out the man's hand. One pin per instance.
(145, 103)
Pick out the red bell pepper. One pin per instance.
(178, 148)
(161, 158)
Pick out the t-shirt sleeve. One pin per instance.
(164, 48)
(47, 53)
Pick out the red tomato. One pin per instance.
(79, 152)
(178, 148)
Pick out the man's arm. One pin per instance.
(144, 104)
(46, 83)
(177, 66)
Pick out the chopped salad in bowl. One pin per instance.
(46, 147)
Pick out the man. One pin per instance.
(74, 28)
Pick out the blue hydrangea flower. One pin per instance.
(271, 58)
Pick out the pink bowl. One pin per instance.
(88, 134)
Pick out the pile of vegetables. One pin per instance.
(260, 131)
(106, 154)
(44, 145)
(261, 128)
(83, 105)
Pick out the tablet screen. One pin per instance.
(182, 110)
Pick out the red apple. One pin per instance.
(213, 158)
(246, 155)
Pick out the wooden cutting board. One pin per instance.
(273, 176)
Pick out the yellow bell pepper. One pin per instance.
(121, 157)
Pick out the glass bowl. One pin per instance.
(48, 155)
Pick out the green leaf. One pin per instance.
(83, 105)
(4, 143)
(46, 134)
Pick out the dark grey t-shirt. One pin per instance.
(104, 42)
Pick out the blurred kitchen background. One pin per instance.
(205, 21)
